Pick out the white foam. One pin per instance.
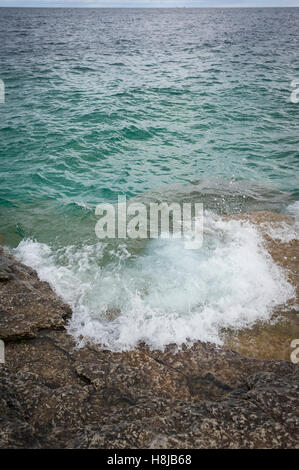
(165, 293)
(282, 231)
(294, 208)
(285, 231)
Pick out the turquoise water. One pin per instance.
(175, 105)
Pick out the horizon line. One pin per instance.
(151, 8)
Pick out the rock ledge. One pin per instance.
(53, 395)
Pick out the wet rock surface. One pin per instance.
(55, 395)
(272, 340)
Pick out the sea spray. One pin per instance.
(162, 293)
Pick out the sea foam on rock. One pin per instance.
(163, 293)
(54, 395)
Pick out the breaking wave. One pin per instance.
(157, 292)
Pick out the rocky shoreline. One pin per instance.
(53, 395)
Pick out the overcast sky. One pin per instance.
(149, 3)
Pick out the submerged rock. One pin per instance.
(53, 394)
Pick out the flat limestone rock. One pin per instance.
(27, 305)
(54, 395)
(273, 340)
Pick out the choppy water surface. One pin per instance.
(168, 105)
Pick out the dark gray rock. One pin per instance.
(54, 395)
